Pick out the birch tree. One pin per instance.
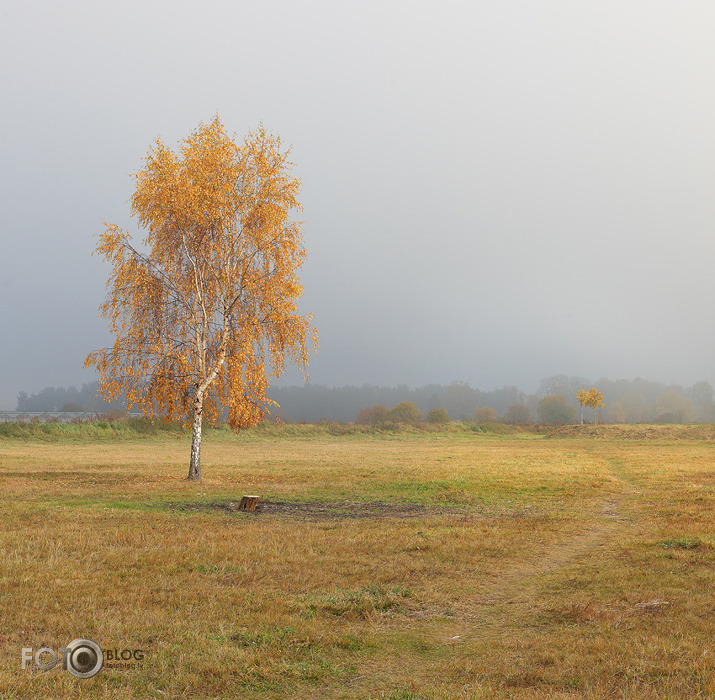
(205, 311)
(592, 398)
(595, 401)
(582, 396)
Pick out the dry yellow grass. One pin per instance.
(477, 567)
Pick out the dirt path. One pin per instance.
(515, 594)
(521, 584)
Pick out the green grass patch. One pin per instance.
(130, 428)
(124, 429)
(681, 543)
(356, 604)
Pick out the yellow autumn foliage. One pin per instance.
(209, 312)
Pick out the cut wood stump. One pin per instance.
(248, 503)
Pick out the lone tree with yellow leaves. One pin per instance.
(592, 398)
(209, 311)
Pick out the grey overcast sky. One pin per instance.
(494, 192)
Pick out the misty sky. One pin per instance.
(494, 192)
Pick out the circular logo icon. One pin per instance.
(85, 658)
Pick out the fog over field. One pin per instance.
(493, 192)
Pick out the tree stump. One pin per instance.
(248, 503)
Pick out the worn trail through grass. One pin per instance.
(522, 583)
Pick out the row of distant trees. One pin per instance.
(552, 410)
(403, 412)
(556, 402)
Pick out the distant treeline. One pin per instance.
(312, 403)
(53, 399)
(627, 401)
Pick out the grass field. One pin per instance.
(405, 566)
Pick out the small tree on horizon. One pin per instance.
(592, 398)
(210, 311)
(595, 401)
(582, 397)
(485, 414)
(372, 416)
(438, 416)
(517, 414)
(404, 412)
(555, 410)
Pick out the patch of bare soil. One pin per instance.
(703, 431)
(373, 510)
(322, 510)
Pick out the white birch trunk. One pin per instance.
(195, 463)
